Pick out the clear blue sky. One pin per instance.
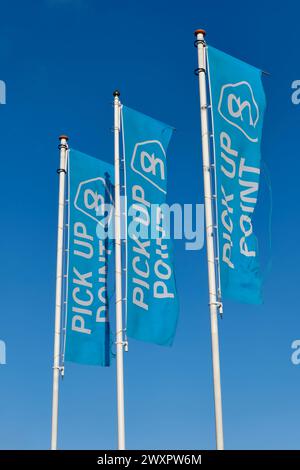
(61, 60)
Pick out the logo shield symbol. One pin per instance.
(239, 108)
(94, 199)
(149, 161)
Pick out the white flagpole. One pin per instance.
(118, 268)
(210, 236)
(59, 282)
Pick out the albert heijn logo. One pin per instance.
(94, 198)
(237, 105)
(149, 161)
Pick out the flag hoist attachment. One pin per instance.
(57, 368)
(211, 239)
(120, 343)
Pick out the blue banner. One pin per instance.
(238, 105)
(90, 215)
(151, 292)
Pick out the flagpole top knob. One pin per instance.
(61, 137)
(116, 93)
(200, 31)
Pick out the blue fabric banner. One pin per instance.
(90, 214)
(151, 292)
(238, 105)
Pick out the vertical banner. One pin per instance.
(90, 216)
(151, 292)
(238, 105)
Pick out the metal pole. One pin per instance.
(210, 234)
(118, 268)
(59, 281)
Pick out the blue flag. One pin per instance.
(151, 291)
(238, 104)
(90, 214)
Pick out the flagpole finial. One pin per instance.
(116, 93)
(64, 137)
(200, 31)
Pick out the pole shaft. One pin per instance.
(118, 269)
(210, 233)
(58, 295)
